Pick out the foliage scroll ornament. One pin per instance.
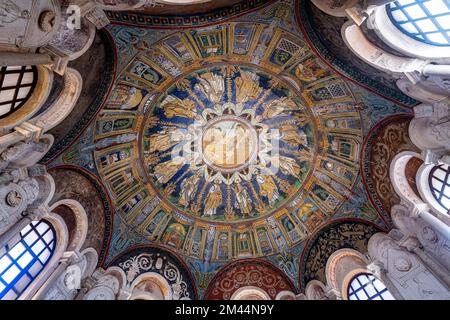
(157, 263)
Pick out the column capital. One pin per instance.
(377, 268)
(124, 294)
(30, 131)
(92, 11)
(445, 159)
(430, 156)
(418, 208)
(59, 59)
(38, 213)
(98, 17)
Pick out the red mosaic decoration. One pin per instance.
(256, 273)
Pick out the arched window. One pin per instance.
(439, 181)
(427, 21)
(365, 286)
(22, 261)
(16, 87)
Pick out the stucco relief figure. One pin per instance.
(20, 151)
(441, 132)
(213, 200)
(316, 293)
(10, 12)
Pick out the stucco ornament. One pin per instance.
(403, 264)
(14, 198)
(10, 12)
(31, 188)
(151, 262)
(72, 278)
(429, 235)
(47, 20)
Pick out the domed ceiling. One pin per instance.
(228, 144)
(229, 138)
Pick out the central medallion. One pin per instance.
(229, 144)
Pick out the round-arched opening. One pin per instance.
(23, 90)
(149, 290)
(25, 257)
(365, 286)
(151, 286)
(16, 87)
(389, 31)
(439, 182)
(404, 169)
(432, 183)
(340, 265)
(250, 293)
(427, 21)
(75, 219)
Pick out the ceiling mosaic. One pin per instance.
(243, 140)
(229, 141)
